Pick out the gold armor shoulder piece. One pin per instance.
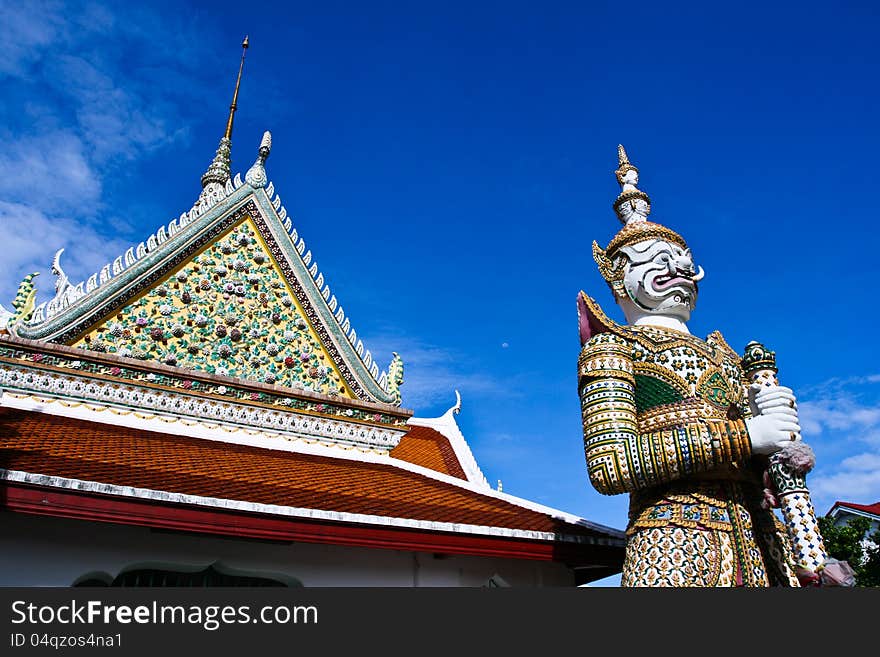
(606, 354)
(715, 337)
(592, 320)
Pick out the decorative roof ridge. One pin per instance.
(391, 378)
(447, 427)
(68, 295)
(211, 429)
(614, 537)
(107, 358)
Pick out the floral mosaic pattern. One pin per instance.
(228, 311)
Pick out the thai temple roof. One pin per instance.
(212, 366)
(228, 287)
(258, 478)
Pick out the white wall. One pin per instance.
(844, 515)
(47, 551)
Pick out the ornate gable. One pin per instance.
(227, 310)
(229, 288)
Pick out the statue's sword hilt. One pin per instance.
(787, 470)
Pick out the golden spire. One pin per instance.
(232, 108)
(623, 164)
(218, 171)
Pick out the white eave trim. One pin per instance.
(446, 426)
(840, 509)
(292, 512)
(280, 442)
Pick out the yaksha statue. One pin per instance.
(672, 420)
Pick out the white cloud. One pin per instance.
(28, 28)
(50, 172)
(861, 462)
(31, 246)
(501, 450)
(114, 120)
(431, 374)
(841, 405)
(839, 417)
(837, 414)
(837, 385)
(86, 89)
(855, 479)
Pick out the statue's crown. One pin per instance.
(632, 207)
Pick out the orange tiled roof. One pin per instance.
(78, 449)
(429, 448)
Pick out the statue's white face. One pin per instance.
(660, 278)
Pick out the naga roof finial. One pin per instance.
(62, 283)
(218, 171)
(457, 408)
(22, 305)
(256, 175)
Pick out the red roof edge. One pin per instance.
(42, 500)
(873, 509)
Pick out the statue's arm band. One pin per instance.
(622, 459)
(729, 440)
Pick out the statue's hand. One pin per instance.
(770, 433)
(772, 400)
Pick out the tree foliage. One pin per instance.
(846, 543)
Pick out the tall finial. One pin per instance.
(218, 171)
(632, 205)
(234, 105)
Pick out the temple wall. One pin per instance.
(49, 551)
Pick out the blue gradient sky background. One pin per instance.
(449, 165)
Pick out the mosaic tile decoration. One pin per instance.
(225, 311)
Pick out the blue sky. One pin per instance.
(450, 164)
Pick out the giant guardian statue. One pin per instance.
(701, 438)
